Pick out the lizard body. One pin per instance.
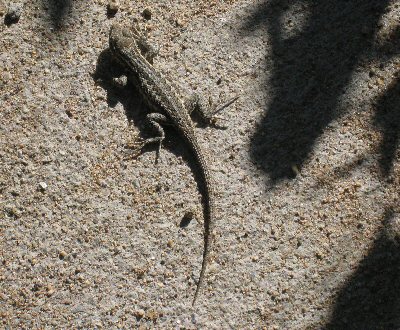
(161, 98)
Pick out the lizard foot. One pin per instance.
(206, 110)
(136, 147)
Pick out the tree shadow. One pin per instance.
(387, 118)
(371, 297)
(311, 69)
(58, 11)
(387, 115)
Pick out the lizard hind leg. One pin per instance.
(206, 110)
(154, 121)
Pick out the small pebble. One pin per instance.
(62, 254)
(179, 23)
(139, 313)
(50, 290)
(112, 8)
(14, 193)
(152, 315)
(42, 186)
(12, 211)
(120, 81)
(2, 8)
(13, 14)
(69, 113)
(147, 13)
(136, 184)
(187, 218)
(6, 77)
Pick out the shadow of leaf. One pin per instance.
(310, 72)
(371, 297)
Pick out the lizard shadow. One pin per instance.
(107, 70)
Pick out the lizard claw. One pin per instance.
(137, 147)
(225, 105)
(213, 118)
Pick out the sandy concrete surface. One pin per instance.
(306, 171)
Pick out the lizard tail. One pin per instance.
(206, 257)
(209, 219)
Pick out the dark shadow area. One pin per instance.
(371, 297)
(311, 68)
(185, 221)
(8, 21)
(107, 71)
(387, 118)
(58, 11)
(12, 15)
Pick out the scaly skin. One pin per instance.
(160, 97)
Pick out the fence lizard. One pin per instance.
(131, 50)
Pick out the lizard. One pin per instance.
(131, 50)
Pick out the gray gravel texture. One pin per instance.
(307, 171)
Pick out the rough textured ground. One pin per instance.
(307, 170)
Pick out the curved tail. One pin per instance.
(208, 198)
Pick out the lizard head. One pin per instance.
(130, 39)
(122, 37)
